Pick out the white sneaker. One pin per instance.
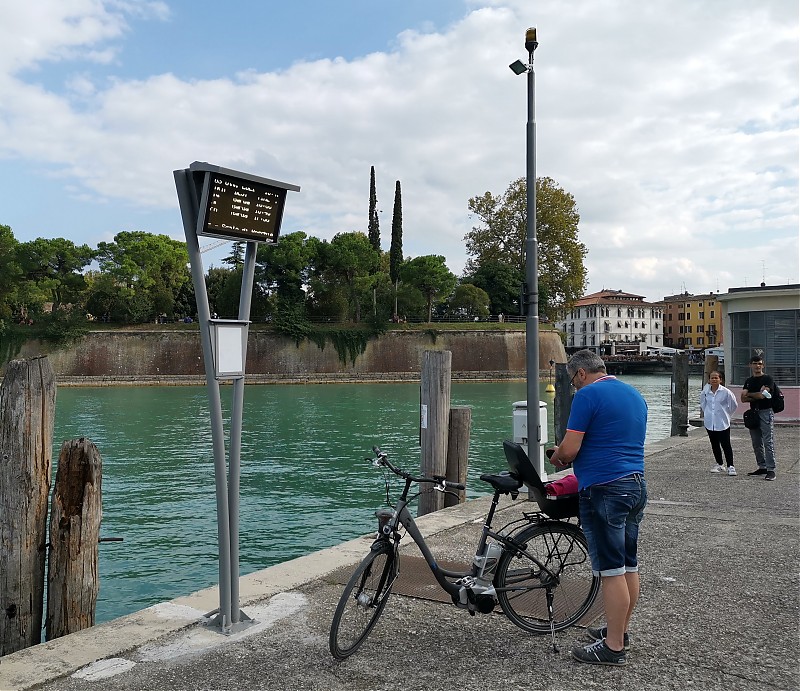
(731, 470)
(718, 468)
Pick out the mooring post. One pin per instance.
(434, 419)
(562, 403)
(679, 401)
(73, 578)
(458, 452)
(27, 411)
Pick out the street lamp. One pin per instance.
(531, 297)
(550, 388)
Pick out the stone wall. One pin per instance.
(164, 357)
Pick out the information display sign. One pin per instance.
(239, 206)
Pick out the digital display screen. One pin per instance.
(241, 209)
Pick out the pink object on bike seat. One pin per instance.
(564, 485)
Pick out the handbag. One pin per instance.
(751, 418)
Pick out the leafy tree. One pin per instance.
(349, 260)
(10, 271)
(396, 248)
(469, 301)
(501, 282)
(54, 267)
(285, 268)
(374, 231)
(236, 257)
(429, 274)
(502, 234)
(149, 270)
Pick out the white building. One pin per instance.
(611, 321)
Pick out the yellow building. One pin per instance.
(692, 321)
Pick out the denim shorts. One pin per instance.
(610, 517)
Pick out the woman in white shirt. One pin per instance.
(718, 404)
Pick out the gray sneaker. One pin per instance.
(598, 633)
(598, 653)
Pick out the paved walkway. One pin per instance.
(720, 608)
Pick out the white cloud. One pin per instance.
(674, 125)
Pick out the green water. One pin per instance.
(304, 482)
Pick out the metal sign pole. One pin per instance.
(237, 412)
(189, 205)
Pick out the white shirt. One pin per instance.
(717, 407)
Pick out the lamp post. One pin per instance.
(531, 296)
(550, 388)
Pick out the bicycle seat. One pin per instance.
(505, 482)
(556, 506)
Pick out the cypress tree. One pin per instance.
(374, 231)
(396, 248)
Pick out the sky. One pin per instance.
(673, 123)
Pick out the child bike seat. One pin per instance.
(554, 506)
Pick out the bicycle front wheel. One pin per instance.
(363, 600)
(561, 548)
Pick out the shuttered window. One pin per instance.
(776, 334)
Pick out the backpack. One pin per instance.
(777, 399)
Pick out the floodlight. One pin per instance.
(518, 67)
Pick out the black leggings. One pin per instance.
(721, 441)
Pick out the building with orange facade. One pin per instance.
(692, 321)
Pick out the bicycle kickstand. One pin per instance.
(552, 623)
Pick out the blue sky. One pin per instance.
(673, 123)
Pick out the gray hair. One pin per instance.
(586, 360)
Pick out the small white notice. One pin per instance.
(423, 417)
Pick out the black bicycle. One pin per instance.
(535, 567)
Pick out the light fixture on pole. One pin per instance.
(531, 294)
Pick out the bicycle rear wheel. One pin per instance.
(363, 600)
(561, 547)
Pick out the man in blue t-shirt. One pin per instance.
(605, 442)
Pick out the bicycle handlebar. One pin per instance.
(382, 459)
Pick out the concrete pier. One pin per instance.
(720, 607)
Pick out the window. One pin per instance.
(688, 328)
(712, 312)
(702, 315)
(701, 341)
(778, 333)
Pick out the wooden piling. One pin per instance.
(679, 400)
(27, 409)
(434, 420)
(458, 452)
(72, 574)
(562, 403)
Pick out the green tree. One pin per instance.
(285, 267)
(10, 272)
(374, 231)
(429, 274)
(396, 248)
(501, 282)
(350, 259)
(236, 257)
(55, 268)
(502, 234)
(469, 301)
(149, 271)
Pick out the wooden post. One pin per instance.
(679, 401)
(458, 452)
(27, 408)
(434, 419)
(562, 402)
(72, 575)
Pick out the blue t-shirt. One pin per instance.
(612, 416)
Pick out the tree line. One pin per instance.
(143, 277)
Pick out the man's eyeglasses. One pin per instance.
(572, 381)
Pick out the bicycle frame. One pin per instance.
(466, 582)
